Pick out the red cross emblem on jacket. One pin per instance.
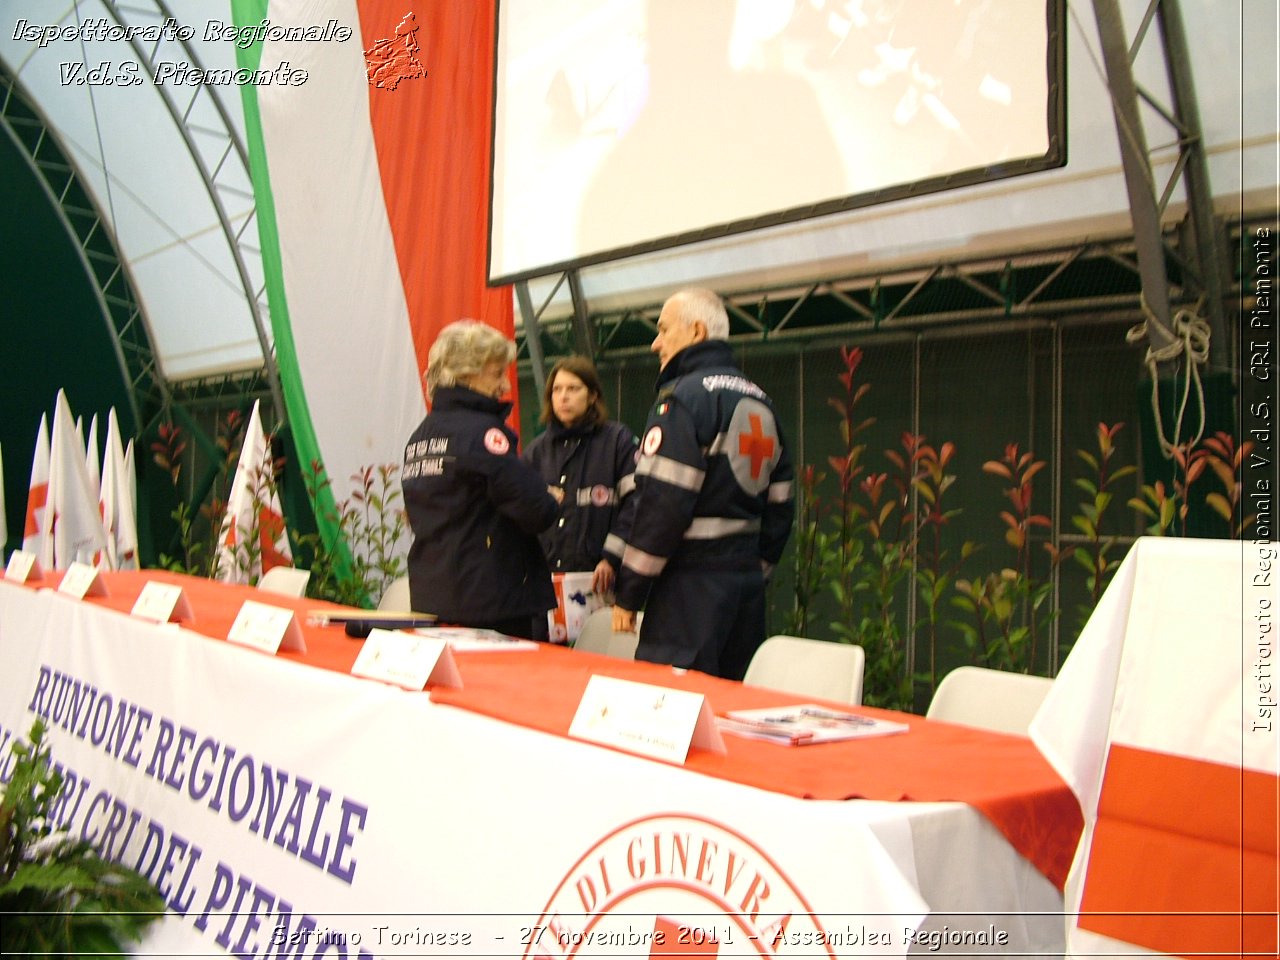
(756, 444)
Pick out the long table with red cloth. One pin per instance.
(941, 769)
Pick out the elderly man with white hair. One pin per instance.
(713, 501)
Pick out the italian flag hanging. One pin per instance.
(371, 176)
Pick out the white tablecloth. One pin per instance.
(273, 800)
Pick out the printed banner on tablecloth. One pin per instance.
(287, 811)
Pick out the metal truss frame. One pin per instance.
(1097, 276)
(216, 151)
(1201, 258)
(90, 234)
(1184, 268)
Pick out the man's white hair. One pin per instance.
(462, 350)
(697, 304)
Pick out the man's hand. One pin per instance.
(557, 492)
(602, 578)
(624, 621)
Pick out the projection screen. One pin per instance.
(622, 126)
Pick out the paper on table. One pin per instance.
(805, 723)
(471, 639)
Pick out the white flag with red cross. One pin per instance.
(131, 479)
(76, 532)
(4, 522)
(35, 528)
(118, 502)
(92, 460)
(252, 538)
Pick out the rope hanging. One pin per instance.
(1189, 337)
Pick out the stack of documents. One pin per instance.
(805, 723)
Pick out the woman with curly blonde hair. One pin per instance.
(474, 506)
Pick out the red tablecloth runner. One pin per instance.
(216, 605)
(1183, 858)
(1004, 777)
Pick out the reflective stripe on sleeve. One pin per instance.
(671, 471)
(615, 545)
(645, 564)
(626, 485)
(713, 528)
(781, 492)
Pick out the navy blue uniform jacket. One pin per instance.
(714, 482)
(476, 510)
(594, 466)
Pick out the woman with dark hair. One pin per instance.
(587, 461)
(474, 506)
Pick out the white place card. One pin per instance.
(82, 580)
(643, 718)
(267, 628)
(22, 566)
(162, 602)
(406, 660)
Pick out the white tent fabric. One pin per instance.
(141, 173)
(134, 161)
(201, 291)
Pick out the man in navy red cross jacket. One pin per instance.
(713, 501)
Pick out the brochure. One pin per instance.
(472, 640)
(805, 723)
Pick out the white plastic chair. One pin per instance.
(289, 581)
(395, 599)
(597, 636)
(623, 645)
(991, 699)
(809, 668)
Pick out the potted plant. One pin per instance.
(58, 896)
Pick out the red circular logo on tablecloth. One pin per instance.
(677, 884)
(495, 441)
